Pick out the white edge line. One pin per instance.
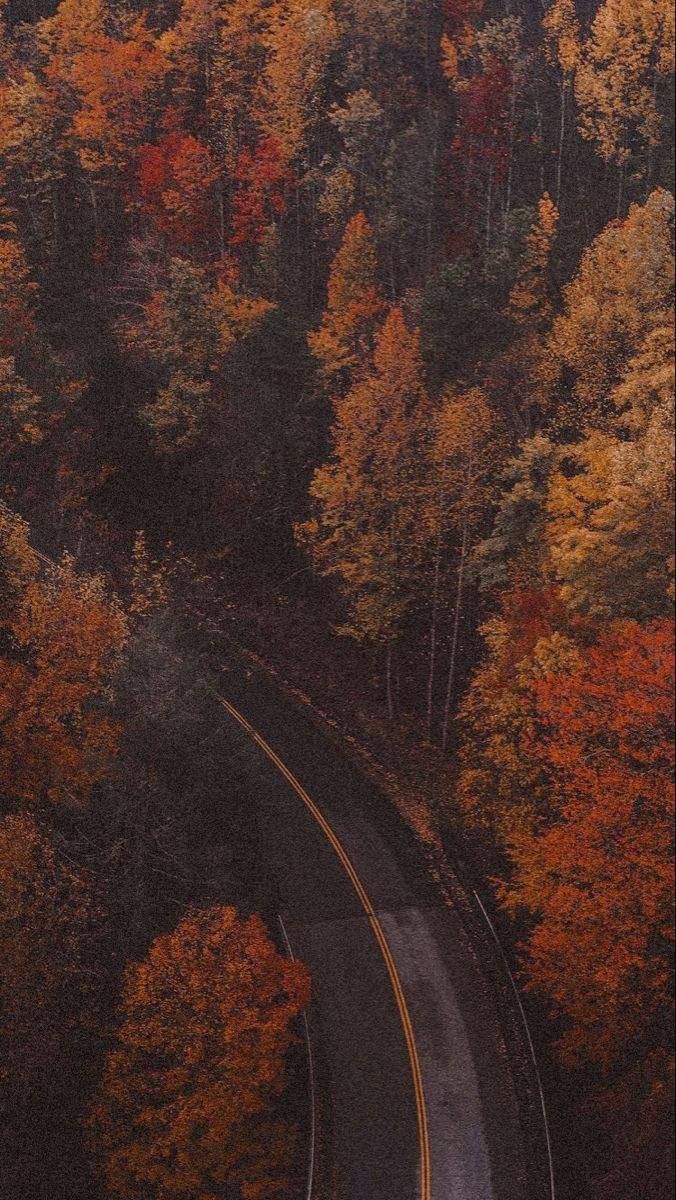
(530, 1041)
(311, 1075)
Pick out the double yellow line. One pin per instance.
(423, 1130)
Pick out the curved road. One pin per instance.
(413, 1091)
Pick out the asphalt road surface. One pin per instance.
(412, 1092)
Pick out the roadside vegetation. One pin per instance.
(355, 317)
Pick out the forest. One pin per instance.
(358, 314)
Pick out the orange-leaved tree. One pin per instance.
(62, 636)
(368, 529)
(596, 875)
(105, 72)
(630, 46)
(465, 454)
(498, 787)
(184, 1105)
(354, 306)
(300, 39)
(621, 294)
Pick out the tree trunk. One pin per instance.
(433, 632)
(620, 190)
(489, 208)
(651, 151)
(221, 222)
(95, 209)
(510, 158)
(541, 142)
(454, 637)
(388, 683)
(431, 197)
(562, 134)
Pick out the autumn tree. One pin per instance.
(530, 300)
(233, 105)
(190, 46)
(31, 154)
(185, 331)
(569, 758)
(377, 35)
(185, 1102)
(524, 375)
(629, 48)
(596, 877)
(488, 79)
(300, 38)
(498, 788)
(106, 70)
(610, 528)
(175, 183)
(261, 178)
(353, 309)
(464, 457)
(356, 179)
(367, 530)
(622, 292)
(63, 634)
(562, 37)
(515, 553)
(384, 152)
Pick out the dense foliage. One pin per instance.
(366, 304)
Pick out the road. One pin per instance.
(412, 1090)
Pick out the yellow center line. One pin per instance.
(407, 1025)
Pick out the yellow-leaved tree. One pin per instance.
(354, 307)
(368, 529)
(465, 455)
(629, 48)
(621, 294)
(300, 37)
(562, 50)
